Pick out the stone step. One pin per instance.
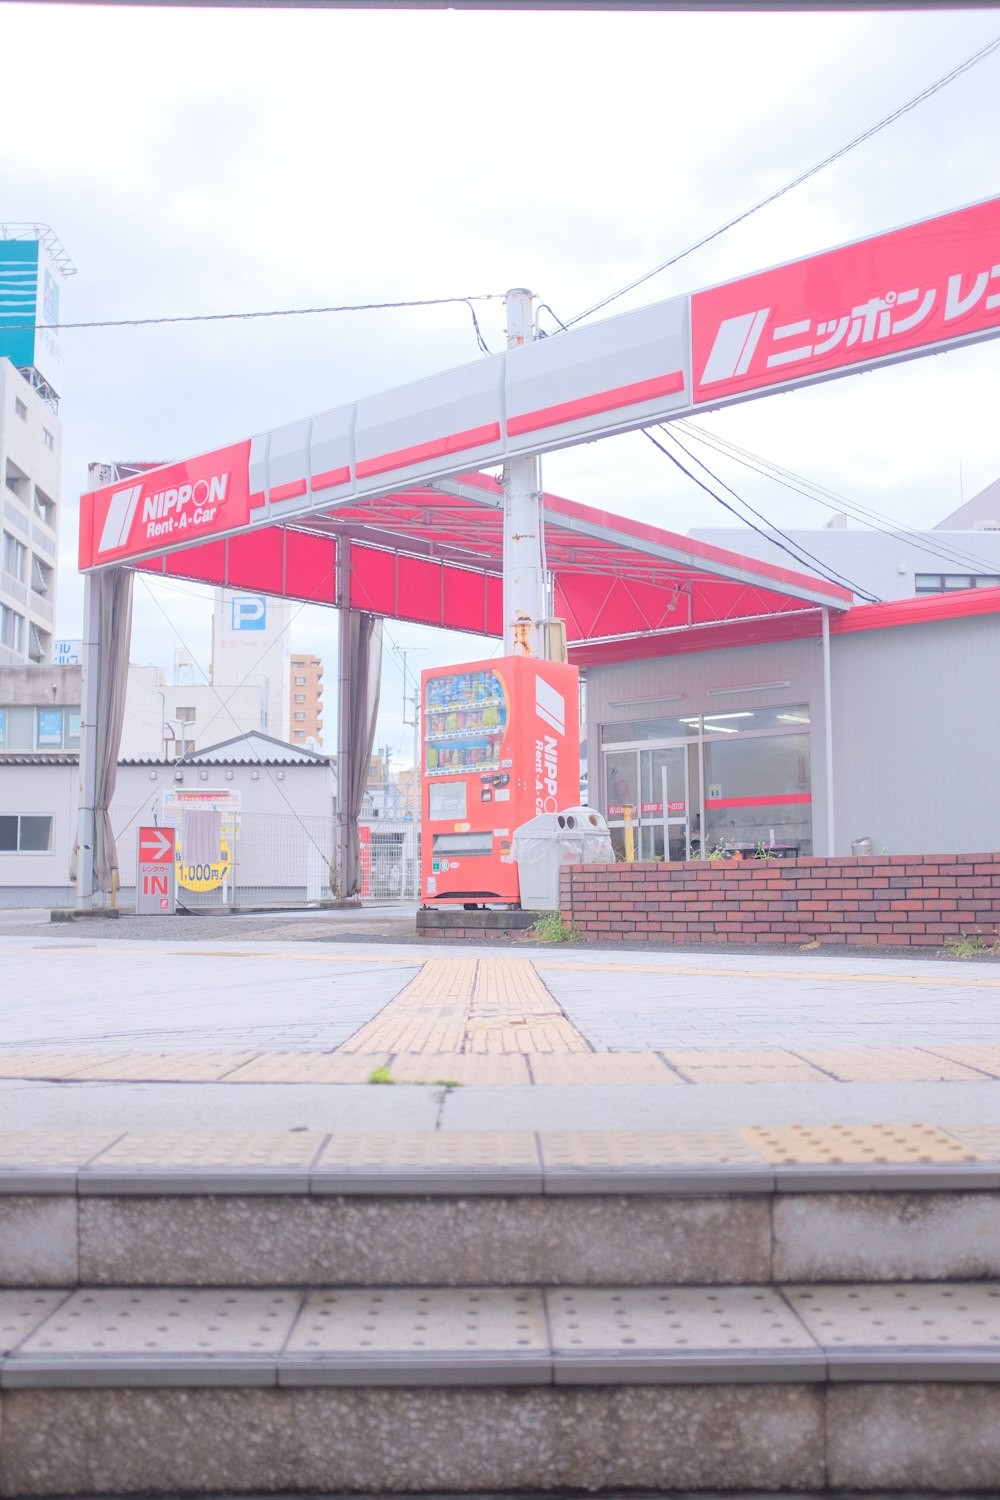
(119, 1391)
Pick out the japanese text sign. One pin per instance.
(936, 282)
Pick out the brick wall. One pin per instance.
(897, 900)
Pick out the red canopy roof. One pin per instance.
(435, 555)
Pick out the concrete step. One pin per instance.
(119, 1390)
(469, 1210)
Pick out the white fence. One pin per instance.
(275, 859)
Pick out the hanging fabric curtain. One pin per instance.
(365, 637)
(111, 597)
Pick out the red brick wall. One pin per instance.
(901, 900)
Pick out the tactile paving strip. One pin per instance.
(889, 1065)
(233, 1149)
(452, 1148)
(837, 1145)
(675, 1319)
(760, 1065)
(493, 1069)
(21, 1312)
(920, 1315)
(309, 1067)
(418, 1321)
(644, 1149)
(136, 1322)
(166, 1067)
(52, 1148)
(983, 1056)
(49, 1064)
(481, 1006)
(615, 1068)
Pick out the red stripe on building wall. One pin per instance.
(589, 406)
(458, 442)
(780, 801)
(331, 478)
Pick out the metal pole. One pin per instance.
(343, 712)
(87, 821)
(828, 731)
(523, 555)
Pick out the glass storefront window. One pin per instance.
(630, 730)
(758, 795)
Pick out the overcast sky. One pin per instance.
(204, 161)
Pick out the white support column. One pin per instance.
(524, 605)
(343, 711)
(86, 821)
(828, 733)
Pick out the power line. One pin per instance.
(943, 552)
(281, 312)
(794, 555)
(858, 140)
(815, 564)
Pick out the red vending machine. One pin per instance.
(501, 744)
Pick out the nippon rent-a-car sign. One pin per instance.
(167, 507)
(936, 282)
(926, 287)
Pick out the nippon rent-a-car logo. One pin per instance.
(167, 513)
(550, 707)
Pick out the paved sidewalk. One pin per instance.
(254, 1034)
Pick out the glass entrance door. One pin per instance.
(665, 803)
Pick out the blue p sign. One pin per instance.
(249, 612)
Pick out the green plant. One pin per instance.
(550, 928)
(380, 1075)
(970, 945)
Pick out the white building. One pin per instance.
(32, 264)
(30, 463)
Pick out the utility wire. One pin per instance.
(943, 552)
(815, 564)
(281, 312)
(731, 508)
(858, 140)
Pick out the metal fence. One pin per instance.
(274, 859)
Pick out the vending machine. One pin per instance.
(501, 743)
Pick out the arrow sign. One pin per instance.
(156, 846)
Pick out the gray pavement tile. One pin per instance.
(102, 1323)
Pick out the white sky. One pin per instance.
(211, 161)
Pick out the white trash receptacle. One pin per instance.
(540, 848)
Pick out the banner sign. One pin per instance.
(166, 507)
(882, 298)
(923, 288)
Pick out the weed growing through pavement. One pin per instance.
(970, 945)
(550, 928)
(380, 1075)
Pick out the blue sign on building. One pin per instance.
(19, 300)
(249, 612)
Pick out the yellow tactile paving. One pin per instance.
(982, 1056)
(621, 1068)
(165, 1067)
(309, 1067)
(224, 1148)
(833, 1145)
(49, 1064)
(483, 1006)
(451, 1148)
(52, 1148)
(645, 1148)
(490, 1069)
(888, 1065)
(754, 1065)
(930, 981)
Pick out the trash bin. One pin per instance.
(539, 848)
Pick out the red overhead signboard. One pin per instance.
(932, 283)
(167, 507)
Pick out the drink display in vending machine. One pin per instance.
(501, 743)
